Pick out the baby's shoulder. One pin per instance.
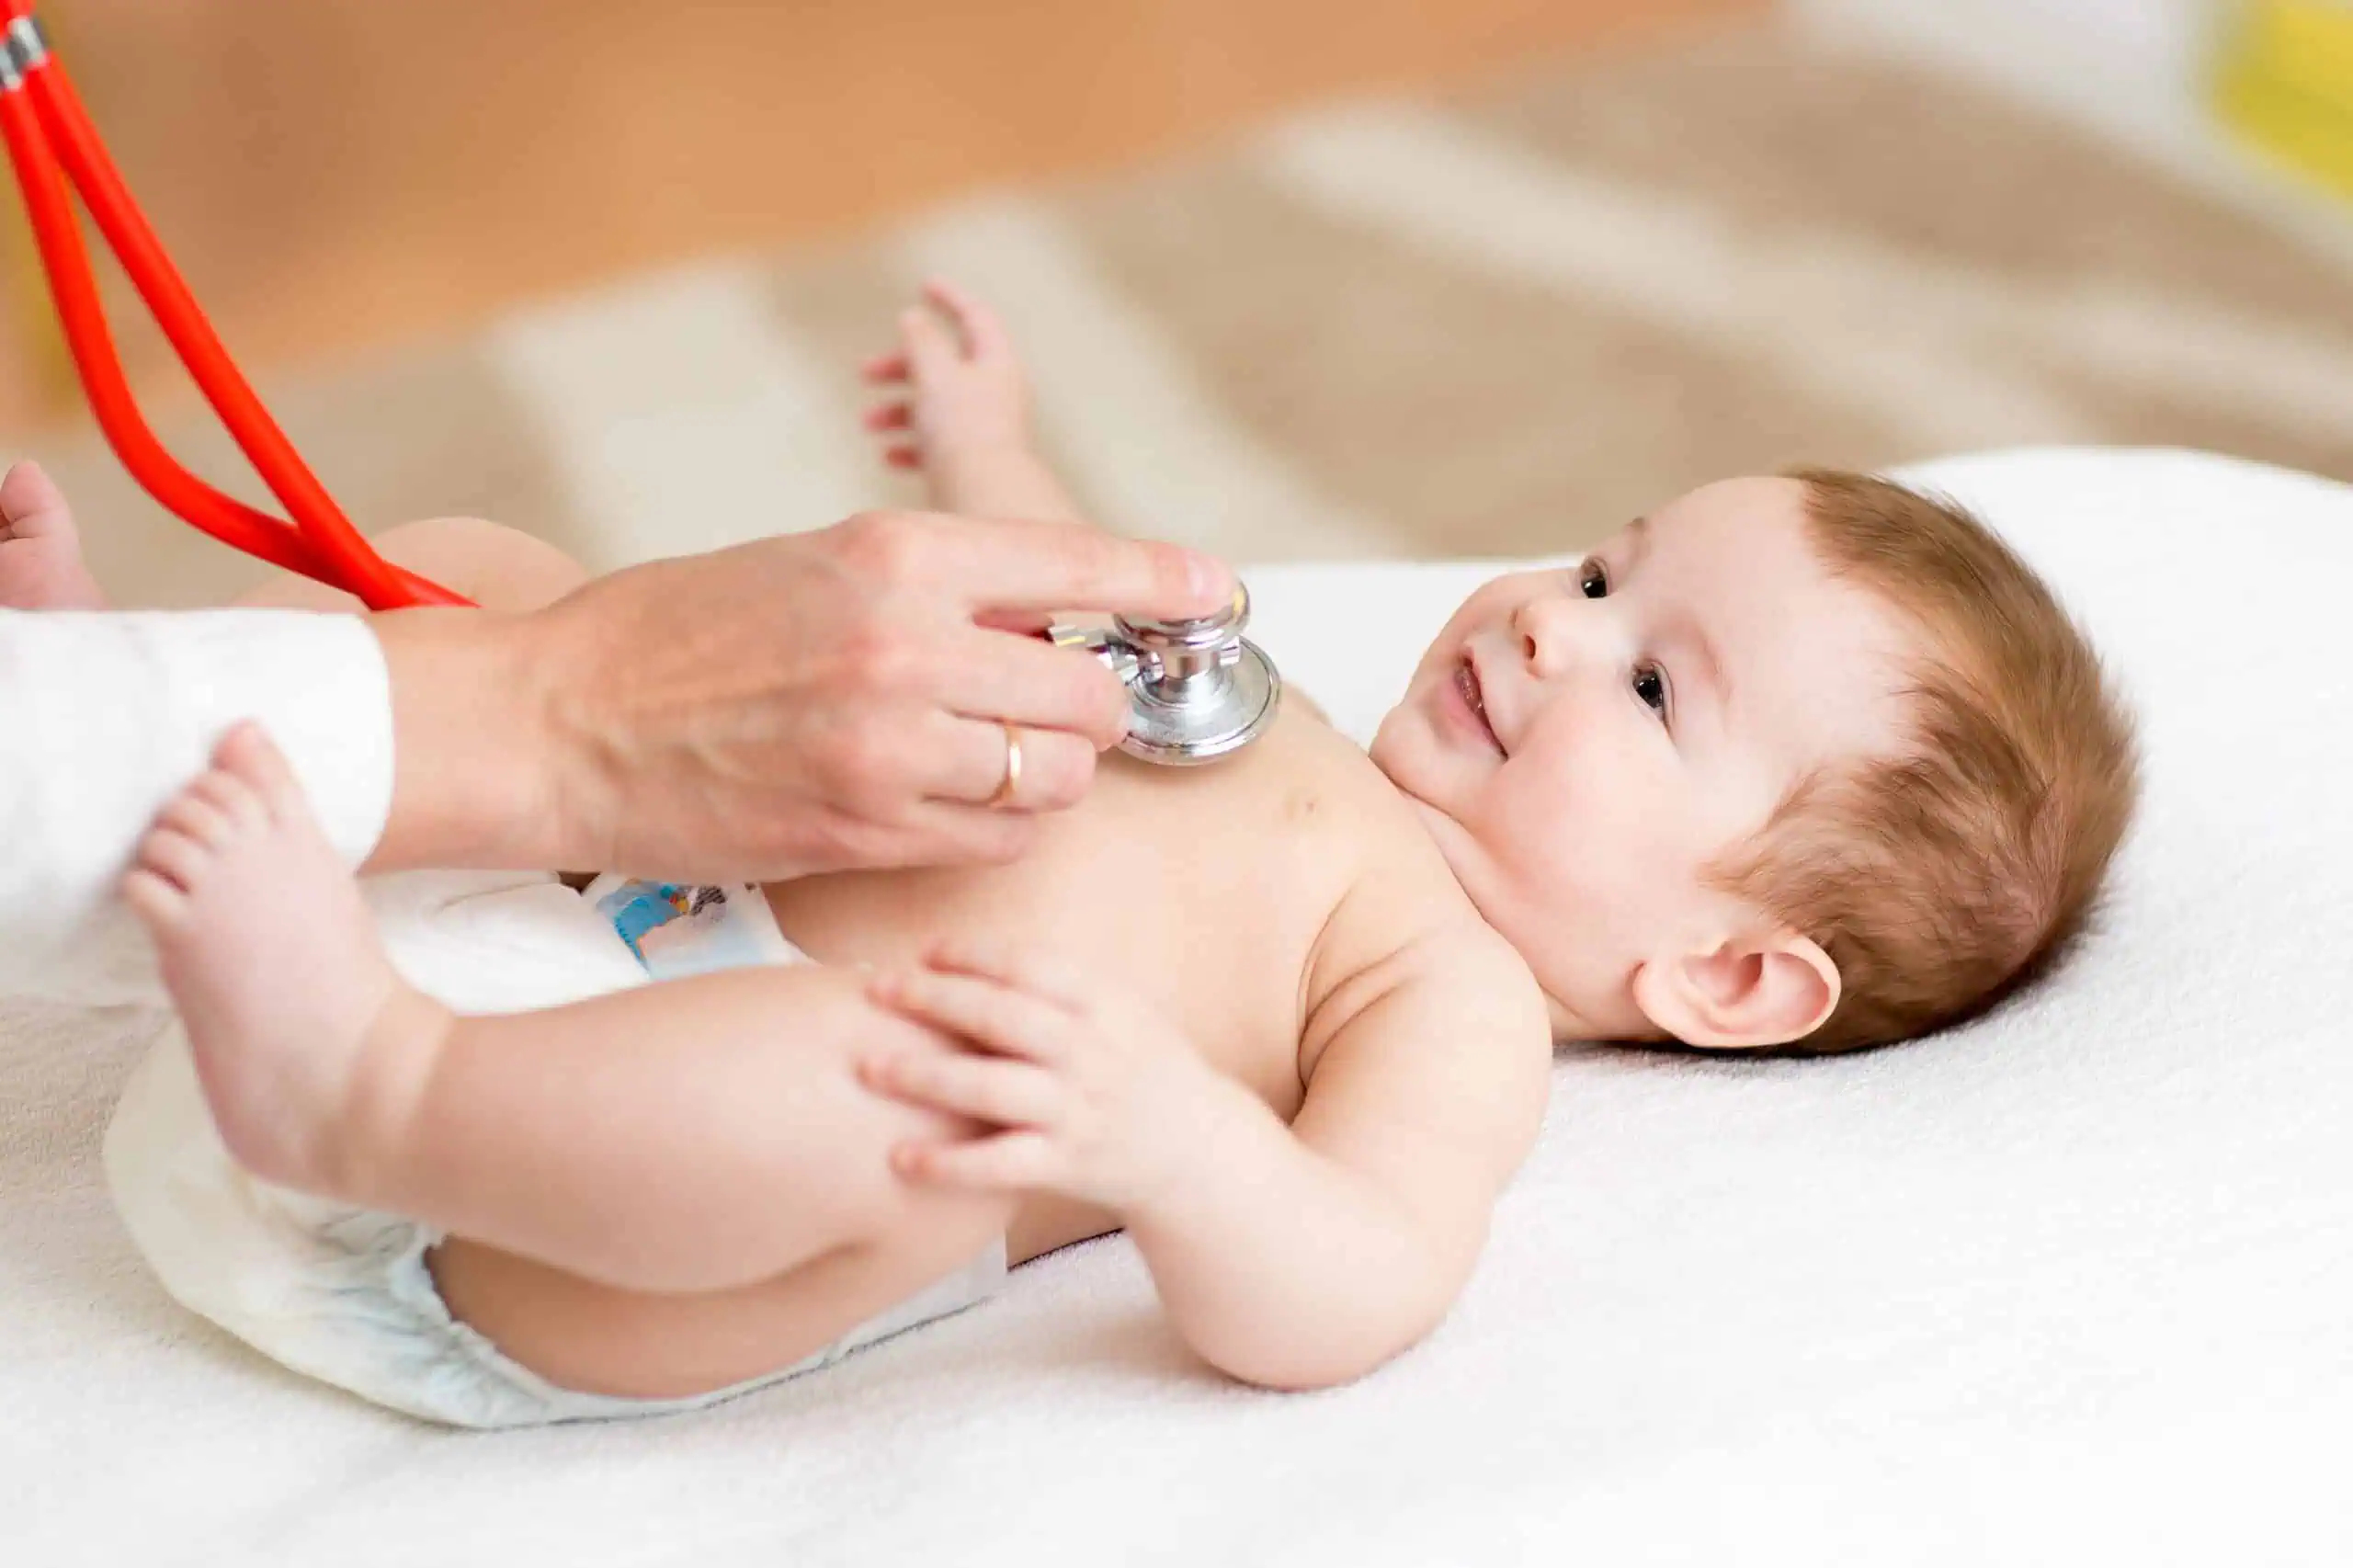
(1403, 931)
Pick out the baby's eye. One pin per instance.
(1650, 686)
(1593, 580)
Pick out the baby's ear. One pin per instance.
(1751, 991)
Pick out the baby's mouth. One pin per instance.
(1466, 681)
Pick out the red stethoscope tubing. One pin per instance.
(51, 141)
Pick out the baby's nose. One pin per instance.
(1554, 632)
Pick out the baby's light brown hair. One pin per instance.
(1943, 877)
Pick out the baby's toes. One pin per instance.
(248, 757)
(231, 797)
(176, 857)
(155, 901)
(192, 816)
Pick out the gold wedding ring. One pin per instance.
(1004, 796)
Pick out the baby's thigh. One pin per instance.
(496, 567)
(864, 1239)
(595, 1338)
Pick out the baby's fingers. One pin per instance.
(890, 416)
(886, 368)
(1010, 1162)
(1023, 971)
(991, 1016)
(984, 1088)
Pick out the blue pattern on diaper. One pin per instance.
(676, 929)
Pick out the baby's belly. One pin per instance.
(1202, 891)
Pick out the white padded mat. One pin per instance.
(2074, 1286)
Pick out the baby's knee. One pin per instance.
(496, 567)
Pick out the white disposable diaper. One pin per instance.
(342, 1294)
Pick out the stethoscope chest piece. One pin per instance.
(1198, 690)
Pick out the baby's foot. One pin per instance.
(310, 1050)
(41, 553)
(954, 397)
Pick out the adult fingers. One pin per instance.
(973, 758)
(1003, 565)
(930, 833)
(1025, 621)
(1021, 679)
(993, 566)
(944, 832)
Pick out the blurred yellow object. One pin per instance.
(2286, 83)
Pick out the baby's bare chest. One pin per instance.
(1203, 891)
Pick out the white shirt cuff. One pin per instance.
(103, 717)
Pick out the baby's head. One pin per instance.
(1814, 761)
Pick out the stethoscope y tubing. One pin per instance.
(1199, 690)
(50, 139)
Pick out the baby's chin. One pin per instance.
(1385, 749)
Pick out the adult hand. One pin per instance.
(837, 700)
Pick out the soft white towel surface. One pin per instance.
(2074, 1286)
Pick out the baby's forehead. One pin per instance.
(1810, 651)
(1734, 516)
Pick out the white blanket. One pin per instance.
(2074, 1286)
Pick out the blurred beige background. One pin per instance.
(334, 174)
(1296, 279)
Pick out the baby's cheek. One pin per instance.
(1542, 838)
(1588, 842)
(1489, 602)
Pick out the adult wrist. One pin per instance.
(477, 775)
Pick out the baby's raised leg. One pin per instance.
(693, 1136)
(496, 567)
(293, 1012)
(697, 1136)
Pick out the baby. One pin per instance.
(1810, 762)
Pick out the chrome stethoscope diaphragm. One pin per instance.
(1197, 690)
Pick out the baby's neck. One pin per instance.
(1447, 836)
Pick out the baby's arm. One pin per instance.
(1290, 1257)
(1302, 1256)
(958, 408)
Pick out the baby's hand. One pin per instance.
(1086, 1092)
(955, 385)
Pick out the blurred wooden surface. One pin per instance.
(333, 174)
